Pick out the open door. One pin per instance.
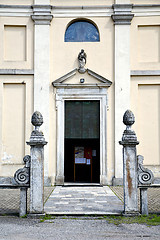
(82, 141)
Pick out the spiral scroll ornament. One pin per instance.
(21, 176)
(145, 176)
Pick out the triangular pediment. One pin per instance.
(87, 76)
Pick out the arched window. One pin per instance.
(82, 31)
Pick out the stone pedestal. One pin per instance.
(23, 201)
(129, 142)
(37, 143)
(143, 201)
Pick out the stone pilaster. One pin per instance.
(42, 19)
(122, 19)
(37, 143)
(129, 142)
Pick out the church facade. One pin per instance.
(82, 64)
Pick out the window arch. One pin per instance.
(82, 31)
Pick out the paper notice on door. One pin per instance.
(88, 161)
(93, 153)
(80, 160)
(79, 152)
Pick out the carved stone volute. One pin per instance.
(145, 176)
(22, 175)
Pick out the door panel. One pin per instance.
(82, 129)
(82, 119)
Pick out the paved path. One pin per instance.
(81, 200)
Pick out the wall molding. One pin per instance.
(145, 72)
(78, 11)
(16, 72)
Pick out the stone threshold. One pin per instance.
(84, 213)
(79, 184)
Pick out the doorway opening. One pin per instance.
(82, 141)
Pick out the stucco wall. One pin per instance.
(145, 56)
(15, 111)
(145, 95)
(16, 37)
(17, 87)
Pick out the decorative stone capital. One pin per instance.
(145, 176)
(37, 137)
(42, 14)
(122, 14)
(129, 137)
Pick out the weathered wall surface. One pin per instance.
(145, 87)
(16, 88)
(145, 94)
(17, 85)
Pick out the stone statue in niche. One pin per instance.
(82, 58)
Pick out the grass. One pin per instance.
(47, 217)
(25, 216)
(150, 220)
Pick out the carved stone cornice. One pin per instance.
(122, 14)
(42, 14)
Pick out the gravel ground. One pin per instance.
(14, 228)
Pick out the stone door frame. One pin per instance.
(81, 92)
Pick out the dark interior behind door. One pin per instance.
(82, 129)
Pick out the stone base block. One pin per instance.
(59, 180)
(103, 180)
(130, 214)
(117, 181)
(47, 181)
